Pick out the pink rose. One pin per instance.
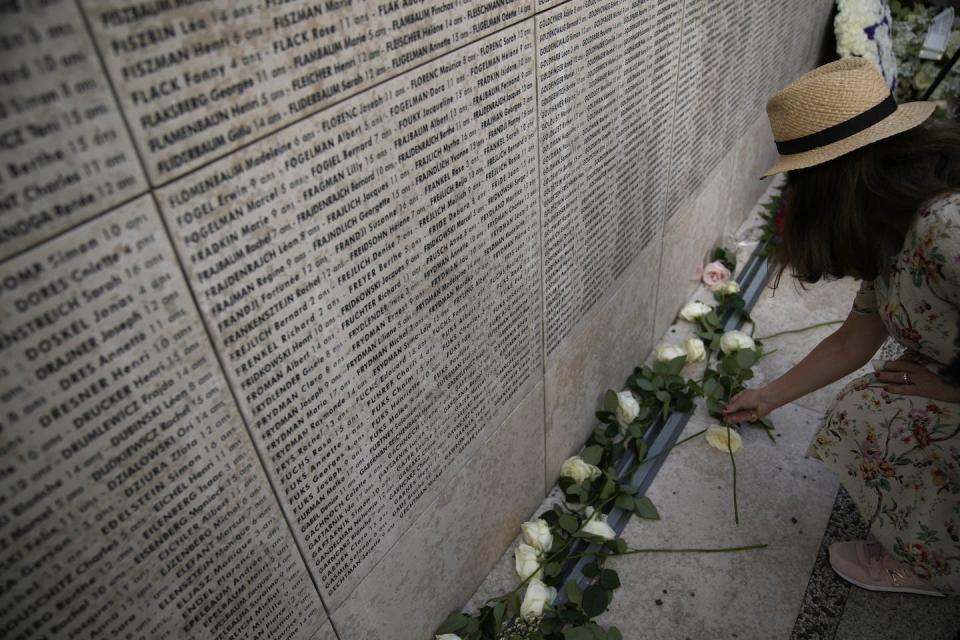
(715, 274)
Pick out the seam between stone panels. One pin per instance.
(333, 104)
(540, 233)
(670, 169)
(203, 319)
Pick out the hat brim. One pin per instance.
(907, 116)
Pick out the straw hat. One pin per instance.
(835, 109)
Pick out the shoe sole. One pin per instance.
(870, 587)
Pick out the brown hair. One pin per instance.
(848, 216)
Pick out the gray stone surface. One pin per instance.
(447, 552)
(65, 151)
(127, 463)
(784, 501)
(199, 81)
(605, 113)
(415, 266)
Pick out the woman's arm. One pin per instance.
(844, 351)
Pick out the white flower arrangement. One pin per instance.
(910, 25)
(863, 30)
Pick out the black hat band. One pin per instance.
(839, 131)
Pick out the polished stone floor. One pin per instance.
(786, 500)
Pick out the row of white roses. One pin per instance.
(693, 348)
(537, 539)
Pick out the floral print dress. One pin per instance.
(899, 456)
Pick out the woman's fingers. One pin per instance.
(904, 389)
(904, 365)
(741, 416)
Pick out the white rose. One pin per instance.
(925, 75)
(735, 341)
(537, 534)
(537, 596)
(668, 352)
(527, 561)
(597, 526)
(448, 636)
(693, 311)
(696, 351)
(627, 407)
(728, 288)
(577, 469)
(719, 436)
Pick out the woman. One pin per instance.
(875, 193)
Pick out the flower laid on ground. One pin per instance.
(693, 311)
(627, 408)
(733, 341)
(527, 561)
(695, 349)
(728, 288)
(723, 438)
(716, 274)
(574, 467)
(602, 478)
(597, 526)
(537, 597)
(536, 533)
(667, 352)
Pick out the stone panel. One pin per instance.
(371, 279)
(447, 552)
(133, 501)
(66, 153)
(600, 355)
(703, 129)
(200, 80)
(606, 72)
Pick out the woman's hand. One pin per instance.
(748, 405)
(908, 378)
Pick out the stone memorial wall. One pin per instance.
(302, 303)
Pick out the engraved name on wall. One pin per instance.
(66, 153)
(606, 72)
(197, 80)
(133, 502)
(372, 280)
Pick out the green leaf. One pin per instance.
(675, 366)
(568, 522)
(643, 384)
(609, 579)
(609, 488)
(552, 569)
(641, 449)
(663, 397)
(711, 388)
(617, 545)
(637, 430)
(592, 454)
(629, 489)
(595, 600)
(606, 417)
(614, 634)
(577, 633)
(513, 604)
(591, 569)
(645, 508)
(456, 621)
(624, 502)
(610, 401)
(746, 358)
(574, 593)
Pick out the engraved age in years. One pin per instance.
(65, 152)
